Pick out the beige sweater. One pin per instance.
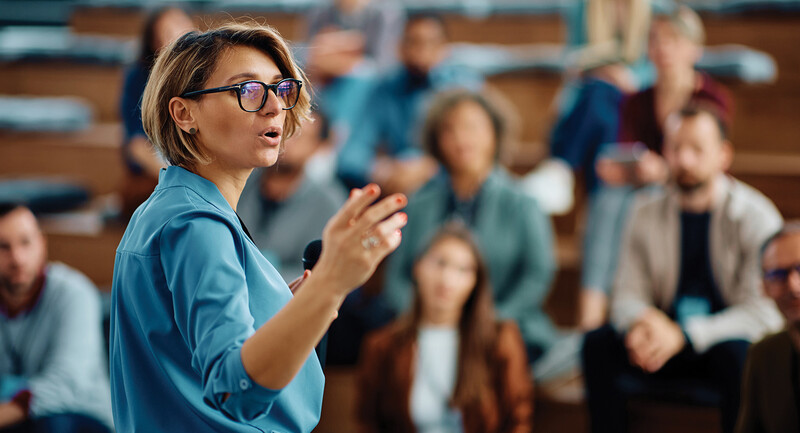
(649, 265)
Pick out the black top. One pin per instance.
(697, 291)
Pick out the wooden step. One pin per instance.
(100, 85)
(91, 157)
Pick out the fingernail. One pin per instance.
(372, 188)
(400, 200)
(403, 216)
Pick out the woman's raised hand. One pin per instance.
(359, 237)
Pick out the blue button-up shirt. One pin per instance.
(189, 288)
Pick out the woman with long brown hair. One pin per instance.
(447, 365)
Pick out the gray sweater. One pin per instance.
(58, 347)
(649, 265)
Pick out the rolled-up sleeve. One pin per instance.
(202, 259)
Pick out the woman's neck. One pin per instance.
(230, 182)
(680, 81)
(440, 318)
(467, 184)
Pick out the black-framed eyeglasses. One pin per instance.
(252, 94)
(780, 275)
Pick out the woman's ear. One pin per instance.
(180, 110)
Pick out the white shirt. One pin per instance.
(435, 367)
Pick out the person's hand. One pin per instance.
(593, 309)
(651, 168)
(653, 340)
(359, 237)
(612, 172)
(333, 53)
(294, 286)
(10, 414)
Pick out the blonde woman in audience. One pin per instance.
(205, 334)
(447, 365)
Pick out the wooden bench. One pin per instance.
(91, 157)
(92, 254)
(100, 85)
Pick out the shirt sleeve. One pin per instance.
(632, 292)
(76, 338)
(203, 261)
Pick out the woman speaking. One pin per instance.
(205, 335)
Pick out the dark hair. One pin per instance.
(147, 52)
(427, 16)
(702, 103)
(477, 327)
(789, 228)
(323, 121)
(443, 104)
(8, 207)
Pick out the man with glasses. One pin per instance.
(687, 301)
(771, 383)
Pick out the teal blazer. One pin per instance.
(515, 238)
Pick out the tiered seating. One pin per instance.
(765, 136)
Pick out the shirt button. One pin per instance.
(244, 384)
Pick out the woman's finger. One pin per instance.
(388, 233)
(359, 200)
(381, 211)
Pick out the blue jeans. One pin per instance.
(61, 423)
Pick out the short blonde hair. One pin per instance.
(686, 22)
(187, 64)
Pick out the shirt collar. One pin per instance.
(174, 176)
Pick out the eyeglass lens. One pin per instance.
(253, 95)
(780, 275)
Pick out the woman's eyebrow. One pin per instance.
(251, 76)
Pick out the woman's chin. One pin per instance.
(267, 158)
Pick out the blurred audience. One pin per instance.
(353, 28)
(446, 365)
(349, 44)
(383, 145)
(675, 45)
(609, 38)
(53, 370)
(464, 132)
(283, 207)
(686, 301)
(141, 159)
(771, 383)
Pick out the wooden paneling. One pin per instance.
(91, 254)
(100, 85)
(113, 21)
(90, 157)
(506, 29)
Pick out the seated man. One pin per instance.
(53, 371)
(284, 207)
(390, 122)
(686, 302)
(771, 383)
